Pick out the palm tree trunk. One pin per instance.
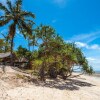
(12, 40)
(29, 61)
(12, 31)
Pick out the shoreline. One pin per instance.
(96, 74)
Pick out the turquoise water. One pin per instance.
(98, 72)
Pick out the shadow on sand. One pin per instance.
(69, 84)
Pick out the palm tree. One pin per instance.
(17, 17)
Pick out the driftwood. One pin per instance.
(77, 75)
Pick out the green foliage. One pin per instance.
(23, 53)
(20, 76)
(4, 46)
(53, 55)
(18, 19)
(36, 64)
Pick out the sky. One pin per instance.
(75, 20)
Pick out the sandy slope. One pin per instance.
(82, 88)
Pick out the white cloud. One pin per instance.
(87, 37)
(95, 46)
(80, 44)
(84, 45)
(91, 51)
(94, 62)
(91, 59)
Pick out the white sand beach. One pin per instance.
(80, 88)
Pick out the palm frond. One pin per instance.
(27, 14)
(18, 4)
(3, 35)
(20, 27)
(26, 27)
(2, 7)
(2, 17)
(29, 21)
(4, 21)
(9, 5)
(12, 29)
(5, 16)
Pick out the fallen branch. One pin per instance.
(77, 75)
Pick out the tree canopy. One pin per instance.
(53, 56)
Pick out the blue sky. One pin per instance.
(75, 20)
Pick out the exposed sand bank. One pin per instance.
(81, 88)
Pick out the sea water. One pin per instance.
(97, 74)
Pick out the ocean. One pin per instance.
(97, 74)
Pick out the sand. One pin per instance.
(80, 88)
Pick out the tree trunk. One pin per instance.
(55, 61)
(29, 61)
(77, 75)
(12, 40)
(12, 31)
(42, 73)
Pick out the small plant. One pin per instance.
(20, 76)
